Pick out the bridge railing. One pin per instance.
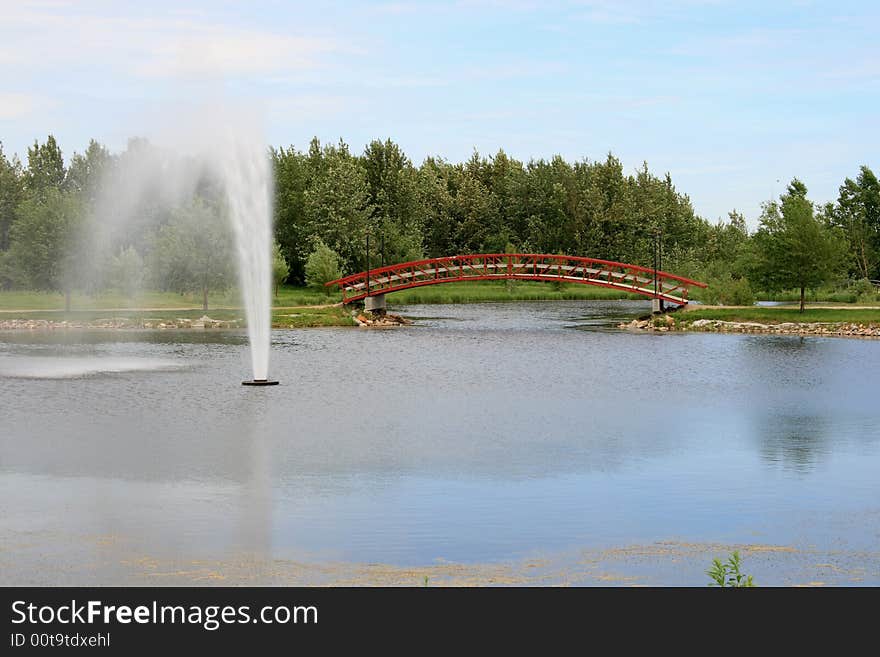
(523, 266)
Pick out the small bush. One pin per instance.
(728, 574)
(863, 287)
(322, 266)
(727, 291)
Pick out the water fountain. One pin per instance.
(223, 148)
(246, 175)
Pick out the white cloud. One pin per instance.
(223, 52)
(16, 105)
(38, 37)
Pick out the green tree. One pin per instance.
(322, 265)
(87, 171)
(127, 269)
(45, 169)
(11, 194)
(43, 239)
(294, 174)
(398, 212)
(437, 194)
(858, 213)
(547, 204)
(604, 225)
(280, 268)
(193, 252)
(337, 207)
(793, 248)
(475, 212)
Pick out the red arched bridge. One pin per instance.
(634, 279)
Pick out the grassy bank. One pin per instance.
(779, 314)
(309, 317)
(289, 296)
(26, 300)
(302, 317)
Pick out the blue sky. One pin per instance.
(728, 97)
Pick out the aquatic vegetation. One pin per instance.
(729, 574)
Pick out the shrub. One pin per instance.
(322, 266)
(727, 291)
(728, 574)
(280, 268)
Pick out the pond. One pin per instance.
(531, 435)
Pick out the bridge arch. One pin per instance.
(634, 279)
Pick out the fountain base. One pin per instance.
(259, 382)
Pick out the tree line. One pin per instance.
(327, 199)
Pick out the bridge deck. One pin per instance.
(543, 267)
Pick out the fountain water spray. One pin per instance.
(221, 147)
(246, 175)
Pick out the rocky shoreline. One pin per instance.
(384, 320)
(203, 322)
(667, 323)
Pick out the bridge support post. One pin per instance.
(375, 304)
(656, 306)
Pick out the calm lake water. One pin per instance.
(485, 433)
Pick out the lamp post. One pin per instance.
(654, 260)
(660, 262)
(657, 234)
(368, 262)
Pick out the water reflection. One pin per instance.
(483, 432)
(72, 367)
(795, 443)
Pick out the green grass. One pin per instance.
(27, 300)
(283, 318)
(824, 296)
(495, 291)
(777, 314)
(334, 316)
(289, 296)
(90, 315)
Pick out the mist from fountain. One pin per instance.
(214, 148)
(246, 175)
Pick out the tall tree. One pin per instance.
(193, 252)
(858, 213)
(11, 194)
(437, 194)
(476, 214)
(294, 174)
(793, 248)
(398, 212)
(86, 171)
(42, 253)
(337, 207)
(45, 168)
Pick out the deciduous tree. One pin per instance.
(193, 252)
(793, 248)
(322, 265)
(42, 255)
